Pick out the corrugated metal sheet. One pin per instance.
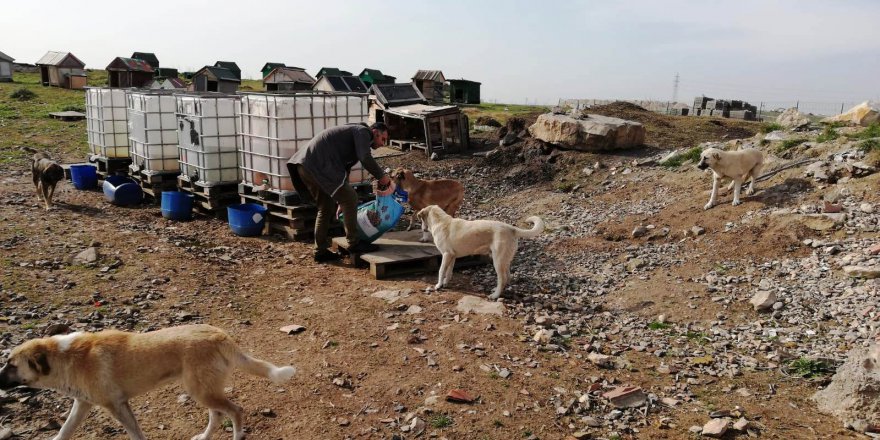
(422, 110)
(429, 75)
(149, 57)
(397, 94)
(346, 84)
(289, 74)
(55, 58)
(3, 56)
(130, 64)
(220, 73)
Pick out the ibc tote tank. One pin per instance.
(208, 137)
(152, 130)
(107, 122)
(275, 125)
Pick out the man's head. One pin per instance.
(380, 134)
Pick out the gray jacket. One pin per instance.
(330, 155)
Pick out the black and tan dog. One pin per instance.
(110, 367)
(47, 174)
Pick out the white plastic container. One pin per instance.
(207, 134)
(275, 126)
(107, 122)
(152, 131)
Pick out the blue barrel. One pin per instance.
(120, 190)
(177, 205)
(84, 176)
(247, 219)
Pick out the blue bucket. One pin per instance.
(84, 176)
(120, 190)
(247, 219)
(177, 205)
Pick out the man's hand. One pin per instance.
(384, 182)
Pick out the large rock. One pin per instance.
(793, 119)
(473, 304)
(854, 392)
(863, 114)
(591, 133)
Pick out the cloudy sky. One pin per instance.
(522, 51)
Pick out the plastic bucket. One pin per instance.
(120, 190)
(177, 205)
(247, 219)
(84, 176)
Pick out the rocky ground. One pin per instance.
(636, 315)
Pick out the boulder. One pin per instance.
(763, 300)
(863, 114)
(854, 392)
(793, 119)
(589, 133)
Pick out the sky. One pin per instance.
(774, 51)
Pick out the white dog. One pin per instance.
(740, 165)
(455, 238)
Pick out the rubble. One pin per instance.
(854, 392)
(793, 119)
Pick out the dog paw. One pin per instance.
(750, 191)
(708, 206)
(736, 202)
(200, 437)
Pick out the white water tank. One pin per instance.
(152, 131)
(107, 122)
(275, 126)
(207, 134)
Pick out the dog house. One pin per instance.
(340, 84)
(129, 72)
(288, 79)
(152, 131)
(230, 66)
(431, 128)
(275, 126)
(215, 79)
(62, 69)
(462, 91)
(207, 134)
(431, 83)
(148, 57)
(5, 67)
(107, 122)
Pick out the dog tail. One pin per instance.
(531, 233)
(29, 149)
(265, 369)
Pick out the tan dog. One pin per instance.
(110, 367)
(445, 193)
(47, 173)
(459, 238)
(740, 165)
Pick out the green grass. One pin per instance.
(767, 127)
(789, 144)
(22, 94)
(441, 421)
(829, 134)
(658, 325)
(809, 368)
(692, 155)
(872, 131)
(500, 112)
(27, 123)
(869, 145)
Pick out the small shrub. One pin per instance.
(767, 127)
(658, 325)
(441, 421)
(869, 145)
(23, 95)
(829, 134)
(809, 368)
(789, 144)
(873, 131)
(692, 155)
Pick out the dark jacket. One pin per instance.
(330, 155)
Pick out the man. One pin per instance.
(320, 175)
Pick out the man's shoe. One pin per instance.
(363, 248)
(324, 256)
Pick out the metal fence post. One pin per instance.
(797, 105)
(841, 108)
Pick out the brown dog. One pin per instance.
(47, 173)
(110, 367)
(445, 193)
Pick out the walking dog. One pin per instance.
(740, 165)
(110, 367)
(47, 173)
(445, 193)
(459, 238)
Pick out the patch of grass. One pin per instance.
(23, 94)
(500, 112)
(699, 337)
(227, 424)
(829, 134)
(767, 127)
(869, 145)
(565, 186)
(441, 421)
(74, 108)
(692, 155)
(872, 131)
(527, 434)
(809, 368)
(789, 144)
(656, 325)
(29, 326)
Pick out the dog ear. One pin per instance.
(39, 362)
(716, 155)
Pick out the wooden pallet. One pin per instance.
(110, 166)
(210, 200)
(153, 184)
(401, 253)
(277, 197)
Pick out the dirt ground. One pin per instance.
(154, 273)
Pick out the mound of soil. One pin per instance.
(670, 132)
(488, 121)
